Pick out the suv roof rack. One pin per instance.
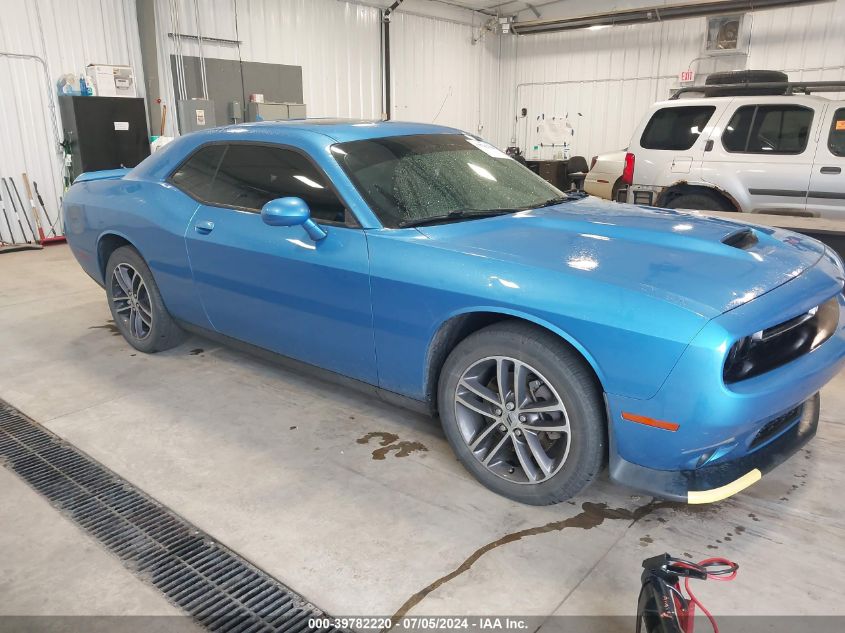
(788, 87)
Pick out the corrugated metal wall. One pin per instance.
(336, 43)
(600, 80)
(807, 42)
(446, 73)
(68, 36)
(612, 76)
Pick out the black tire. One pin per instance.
(162, 333)
(699, 201)
(614, 192)
(576, 386)
(745, 77)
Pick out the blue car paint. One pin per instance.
(275, 305)
(650, 297)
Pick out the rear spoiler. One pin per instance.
(106, 174)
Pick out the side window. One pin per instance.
(676, 128)
(195, 175)
(735, 136)
(836, 140)
(768, 129)
(252, 175)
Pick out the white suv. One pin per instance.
(759, 154)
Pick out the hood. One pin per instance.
(706, 264)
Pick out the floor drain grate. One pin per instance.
(221, 590)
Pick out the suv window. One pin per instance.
(836, 140)
(768, 129)
(195, 175)
(676, 128)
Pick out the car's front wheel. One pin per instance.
(136, 305)
(523, 413)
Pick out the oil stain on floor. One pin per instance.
(592, 515)
(390, 443)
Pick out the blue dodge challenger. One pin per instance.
(553, 334)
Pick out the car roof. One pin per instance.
(308, 134)
(740, 99)
(339, 130)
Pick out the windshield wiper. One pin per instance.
(575, 195)
(553, 201)
(454, 216)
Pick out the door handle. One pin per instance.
(708, 146)
(831, 170)
(204, 227)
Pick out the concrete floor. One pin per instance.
(292, 474)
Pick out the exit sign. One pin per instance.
(687, 76)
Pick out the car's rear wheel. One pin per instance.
(523, 413)
(700, 202)
(136, 305)
(614, 192)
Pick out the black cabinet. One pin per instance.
(104, 132)
(552, 171)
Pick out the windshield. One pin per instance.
(409, 179)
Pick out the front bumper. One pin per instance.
(719, 481)
(713, 438)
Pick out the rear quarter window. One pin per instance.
(676, 128)
(196, 174)
(836, 140)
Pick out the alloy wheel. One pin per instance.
(512, 419)
(131, 301)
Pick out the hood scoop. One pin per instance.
(743, 239)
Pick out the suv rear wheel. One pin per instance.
(523, 413)
(700, 201)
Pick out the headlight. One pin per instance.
(777, 345)
(739, 362)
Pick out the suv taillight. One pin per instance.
(593, 162)
(628, 172)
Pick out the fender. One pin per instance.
(696, 184)
(107, 234)
(435, 354)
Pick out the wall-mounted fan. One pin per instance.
(723, 32)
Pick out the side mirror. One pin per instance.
(291, 211)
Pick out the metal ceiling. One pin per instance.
(492, 7)
(656, 13)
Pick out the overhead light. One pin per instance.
(598, 27)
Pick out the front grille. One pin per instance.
(221, 590)
(774, 427)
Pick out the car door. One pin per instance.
(273, 286)
(763, 155)
(826, 196)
